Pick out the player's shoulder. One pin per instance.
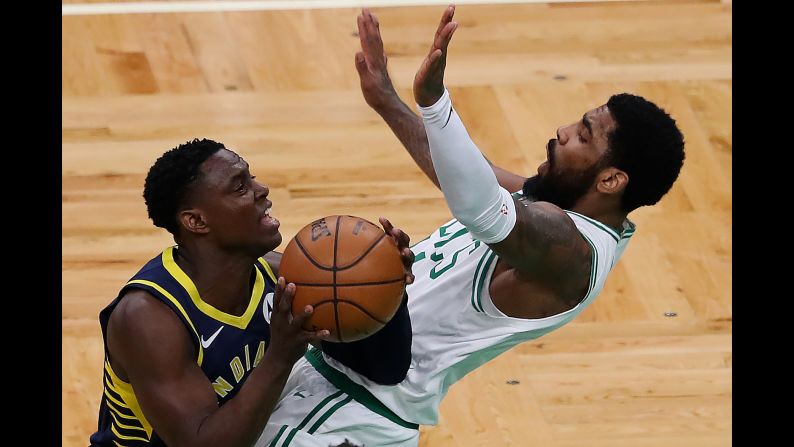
(556, 222)
(145, 338)
(557, 253)
(138, 311)
(594, 231)
(547, 209)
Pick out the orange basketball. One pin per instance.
(350, 271)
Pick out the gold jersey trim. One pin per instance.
(124, 390)
(232, 320)
(268, 269)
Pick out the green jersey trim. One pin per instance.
(598, 224)
(352, 389)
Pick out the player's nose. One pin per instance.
(562, 137)
(261, 190)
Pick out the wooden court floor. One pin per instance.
(280, 88)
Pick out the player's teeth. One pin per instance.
(267, 212)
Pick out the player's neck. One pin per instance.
(608, 214)
(222, 279)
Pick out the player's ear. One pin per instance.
(193, 220)
(612, 181)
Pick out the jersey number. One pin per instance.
(440, 265)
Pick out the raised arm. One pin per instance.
(379, 93)
(150, 348)
(538, 240)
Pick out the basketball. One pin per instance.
(350, 270)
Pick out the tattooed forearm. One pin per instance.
(410, 130)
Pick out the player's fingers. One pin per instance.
(280, 284)
(408, 258)
(446, 36)
(387, 226)
(423, 73)
(322, 334)
(408, 255)
(402, 237)
(286, 299)
(369, 24)
(306, 313)
(395, 234)
(361, 63)
(432, 60)
(362, 30)
(445, 18)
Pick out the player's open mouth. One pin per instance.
(269, 220)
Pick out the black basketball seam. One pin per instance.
(354, 304)
(357, 260)
(309, 257)
(353, 284)
(336, 310)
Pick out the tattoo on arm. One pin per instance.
(545, 244)
(582, 267)
(410, 130)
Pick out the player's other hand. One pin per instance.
(429, 80)
(288, 339)
(403, 241)
(371, 63)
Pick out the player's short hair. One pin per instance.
(170, 177)
(647, 145)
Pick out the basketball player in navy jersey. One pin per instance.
(193, 357)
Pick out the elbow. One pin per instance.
(395, 380)
(396, 373)
(467, 213)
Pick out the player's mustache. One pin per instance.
(550, 147)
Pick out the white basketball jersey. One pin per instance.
(456, 326)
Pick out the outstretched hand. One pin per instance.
(429, 80)
(403, 241)
(371, 63)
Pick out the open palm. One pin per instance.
(429, 80)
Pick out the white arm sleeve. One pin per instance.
(466, 178)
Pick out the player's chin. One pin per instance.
(266, 240)
(272, 240)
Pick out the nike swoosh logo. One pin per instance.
(206, 343)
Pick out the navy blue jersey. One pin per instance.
(227, 347)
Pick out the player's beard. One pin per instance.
(561, 187)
